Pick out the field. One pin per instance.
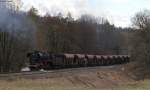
(100, 78)
(63, 85)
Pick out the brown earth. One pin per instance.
(94, 77)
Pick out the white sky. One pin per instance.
(118, 12)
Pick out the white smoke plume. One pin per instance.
(15, 22)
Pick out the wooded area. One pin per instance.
(56, 34)
(140, 44)
(84, 35)
(25, 32)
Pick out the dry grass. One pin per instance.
(63, 84)
(100, 79)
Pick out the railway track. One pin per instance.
(56, 73)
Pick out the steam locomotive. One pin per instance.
(43, 60)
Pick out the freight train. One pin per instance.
(43, 60)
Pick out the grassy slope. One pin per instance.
(62, 84)
(98, 79)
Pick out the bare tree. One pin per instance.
(141, 42)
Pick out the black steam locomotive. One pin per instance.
(43, 60)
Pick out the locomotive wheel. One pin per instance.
(49, 66)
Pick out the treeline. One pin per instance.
(85, 35)
(140, 45)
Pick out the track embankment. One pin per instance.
(101, 76)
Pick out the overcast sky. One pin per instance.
(118, 12)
